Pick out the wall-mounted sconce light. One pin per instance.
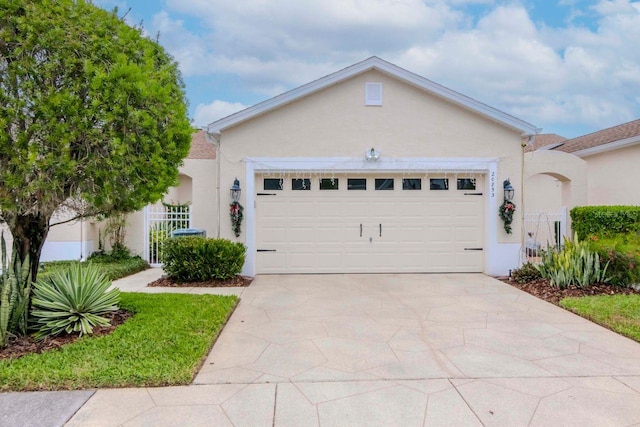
(235, 190)
(372, 155)
(509, 191)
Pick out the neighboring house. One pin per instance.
(197, 188)
(372, 169)
(611, 156)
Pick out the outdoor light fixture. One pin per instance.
(372, 155)
(235, 190)
(509, 192)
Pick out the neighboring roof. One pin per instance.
(604, 140)
(200, 147)
(373, 63)
(544, 140)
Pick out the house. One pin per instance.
(196, 190)
(372, 169)
(609, 156)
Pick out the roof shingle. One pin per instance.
(605, 136)
(200, 147)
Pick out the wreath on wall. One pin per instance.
(235, 211)
(507, 209)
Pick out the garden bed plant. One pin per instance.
(596, 275)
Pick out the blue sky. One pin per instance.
(570, 67)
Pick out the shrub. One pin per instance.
(623, 254)
(527, 273)
(575, 265)
(605, 220)
(191, 258)
(73, 300)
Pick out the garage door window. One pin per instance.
(439, 184)
(357, 184)
(329, 184)
(411, 184)
(272, 184)
(384, 183)
(466, 184)
(301, 184)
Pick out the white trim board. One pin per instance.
(373, 63)
(499, 257)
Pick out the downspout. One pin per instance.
(214, 138)
(526, 140)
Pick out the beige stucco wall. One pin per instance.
(542, 193)
(336, 123)
(612, 177)
(564, 180)
(197, 186)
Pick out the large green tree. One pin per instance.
(92, 114)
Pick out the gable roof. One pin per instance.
(200, 147)
(373, 63)
(545, 141)
(604, 140)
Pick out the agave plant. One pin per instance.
(15, 290)
(575, 265)
(72, 300)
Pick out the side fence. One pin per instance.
(543, 229)
(160, 221)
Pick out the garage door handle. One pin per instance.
(360, 230)
(266, 250)
(380, 225)
(473, 194)
(472, 249)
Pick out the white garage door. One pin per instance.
(362, 224)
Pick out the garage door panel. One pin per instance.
(440, 235)
(301, 235)
(328, 209)
(320, 230)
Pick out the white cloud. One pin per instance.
(545, 75)
(207, 113)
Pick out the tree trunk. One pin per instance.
(29, 233)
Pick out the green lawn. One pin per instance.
(164, 343)
(620, 313)
(112, 269)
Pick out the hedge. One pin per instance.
(605, 220)
(193, 259)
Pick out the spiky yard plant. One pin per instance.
(73, 300)
(574, 265)
(15, 291)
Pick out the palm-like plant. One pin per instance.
(73, 300)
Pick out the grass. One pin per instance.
(620, 313)
(111, 268)
(164, 343)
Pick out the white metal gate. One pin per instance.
(160, 221)
(543, 229)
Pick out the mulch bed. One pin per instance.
(21, 346)
(543, 290)
(238, 281)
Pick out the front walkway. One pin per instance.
(394, 350)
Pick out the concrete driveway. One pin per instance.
(397, 350)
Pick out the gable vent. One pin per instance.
(373, 93)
